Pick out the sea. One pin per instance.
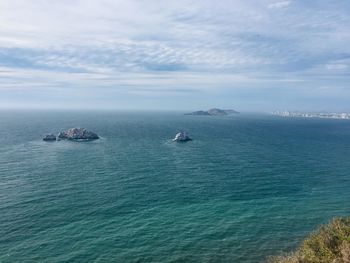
(247, 187)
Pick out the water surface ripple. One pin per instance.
(246, 187)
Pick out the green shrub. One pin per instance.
(330, 244)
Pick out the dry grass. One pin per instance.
(330, 244)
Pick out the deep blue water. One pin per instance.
(246, 187)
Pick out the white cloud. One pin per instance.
(335, 66)
(158, 45)
(280, 4)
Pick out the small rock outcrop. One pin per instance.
(213, 112)
(181, 137)
(77, 134)
(49, 138)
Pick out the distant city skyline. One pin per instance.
(164, 55)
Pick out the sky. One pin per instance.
(248, 55)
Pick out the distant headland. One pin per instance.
(213, 112)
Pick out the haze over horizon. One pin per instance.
(113, 54)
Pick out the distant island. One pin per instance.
(326, 115)
(72, 134)
(77, 134)
(213, 112)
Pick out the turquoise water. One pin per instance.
(246, 187)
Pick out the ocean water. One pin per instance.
(248, 186)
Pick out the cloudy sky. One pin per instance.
(250, 55)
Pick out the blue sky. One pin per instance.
(249, 55)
